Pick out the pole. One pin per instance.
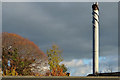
(95, 38)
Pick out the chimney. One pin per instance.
(95, 22)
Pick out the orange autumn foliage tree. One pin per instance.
(58, 71)
(25, 47)
(27, 53)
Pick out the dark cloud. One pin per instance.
(67, 24)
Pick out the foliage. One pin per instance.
(58, 71)
(63, 67)
(10, 71)
(19, 66)
(25, 47)
(21, 52)
(54, 59)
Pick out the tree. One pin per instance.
(64, 68)
(18, 66)
(54, 59)
(58, 71)
(25, 47)
(21, 52)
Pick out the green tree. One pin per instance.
(54, 59)
(54, 56)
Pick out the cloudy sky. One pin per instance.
(69, 25)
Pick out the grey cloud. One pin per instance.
(66, 24)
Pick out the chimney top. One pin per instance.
(95, 6)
